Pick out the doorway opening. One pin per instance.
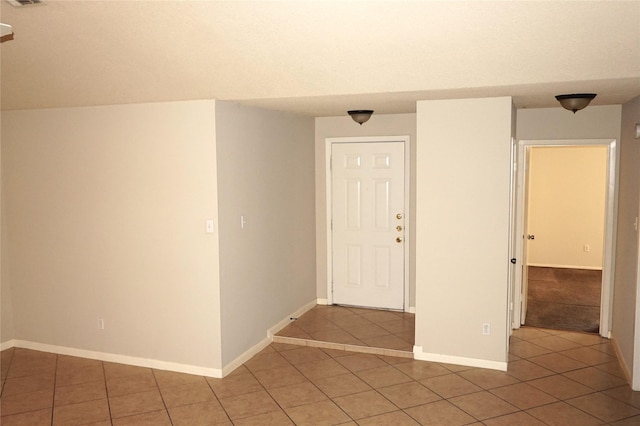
(564, 216)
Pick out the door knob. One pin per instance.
(531, 237)
(398, 239)
(399, 228)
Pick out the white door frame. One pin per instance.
(606, 296)
(407, 157)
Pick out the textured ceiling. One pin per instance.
(318, 57)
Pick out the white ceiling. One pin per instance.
(318, 57)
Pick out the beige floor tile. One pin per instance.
(389, 341)
(155, 418)
(278, 377)
(562, 414)
(317, 413)
(81, 413)
(523, 395)
(294, 395)
(557, 363)
(523, 369)
(304, 354)
(631, 421)
(396, 418)
(604, 407)
(320, 369)
(488, 379)
(32, 418)
(364, 332)
(359, 362)
(27, 384)
(450, 386)
(136, 403)
(275, 418)
(383, 376)
(337, 336)
(282, 347)
(595, 378)
(560, 387)
(187, 394)
(585, 339)
(336, 352)
(167, 379)
(612, 367)
(90, 373)
(114, 370)
(407, 395)
(364, 404)
(625, 394)
(588, 356)
(555, 343)
(74, 394)
(483, 405)
(125, 385)
(515, 419)
(235, 385)
(30, 367)
(528, 333)
(200, 413)
(24, 402)
(66, 362)
(525, 349)
(266, 362)
(248, 405)
(439, 413)
(344, 384)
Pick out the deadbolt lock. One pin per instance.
(399, 216)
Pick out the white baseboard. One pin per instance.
(412, 310)
(544, 265)
(458, 360)
(7, 345)
(121, 359)
(246, 356)
(623, 364)
(323, 301)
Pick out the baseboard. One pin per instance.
(412, 310)
(625, 368)
(286, 321)
(253, 351)
(458, 360)
(120, 359)
(7, 345)
(588, 268)
(323, 301)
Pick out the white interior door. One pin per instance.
(368, 224)
(527, 238)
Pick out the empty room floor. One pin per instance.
(554, 378)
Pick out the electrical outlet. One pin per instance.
(486, 328)
(100, 323)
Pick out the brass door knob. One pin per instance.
(398, 239)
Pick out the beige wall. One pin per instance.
(462, 211)
(105, 209)
(6, 305)
(266, 174)
(378, 125)
(594, 122)
(567, 193)
(625, 299)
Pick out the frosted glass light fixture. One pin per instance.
(575, 102)
(360, 115)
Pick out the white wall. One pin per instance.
(378, 125)
(462, 219)
(567, 194)
(625, 300)
(266, 174)
(105, 209)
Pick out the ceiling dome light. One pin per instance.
(576, 101)
(360, 115)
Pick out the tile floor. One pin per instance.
(554, 378)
